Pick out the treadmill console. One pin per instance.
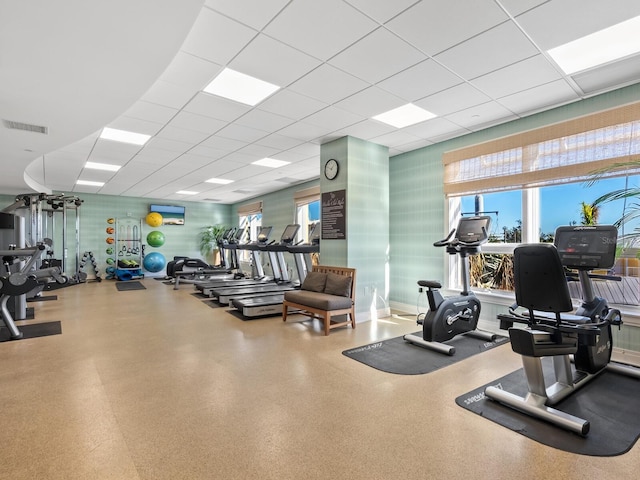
(587, 247)
(263, 234)
(289, 234)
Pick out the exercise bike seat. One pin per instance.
(429, 284)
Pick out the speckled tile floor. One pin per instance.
(154, 384)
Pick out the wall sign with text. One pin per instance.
(334, 215)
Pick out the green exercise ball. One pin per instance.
(155, 238)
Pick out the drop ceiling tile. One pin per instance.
(216, 107)
(197, 123)
(370, 102)
(320, 29)
(216, 38)
(189, 162)
(328, 84)
(517, 77)
(293, 156)
(453, 99)
(332, 118)
(529, 101)
(167, 144)
(211, 152)
(365, 130)
(555, 23)
(425, 78)
(256, 17)
(399, 137)
(381, 10)
(217, 142)
(435, 128)
(154, 156)
(517, 7)
(279, 142)
(241, 133)
(481, 116)
(190, 72)
(110, 149)
(168, 95)
(259, 151)
(506, 43)
(303, 131)
(151, 112)
(437, 25)
(273, 61)
(182, 135)
(263, 120)
(377, 56)
(136, 125)
(292, 105)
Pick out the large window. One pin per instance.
(533, 182)
(307, 211)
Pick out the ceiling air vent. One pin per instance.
(27, 127)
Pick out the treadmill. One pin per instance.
(258, 306)
(280, 282)
(263, 237)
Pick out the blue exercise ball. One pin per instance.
(154, 262)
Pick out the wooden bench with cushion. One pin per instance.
(325, 293)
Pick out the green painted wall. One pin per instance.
(96, 209)
(364, 174)
(417, 203)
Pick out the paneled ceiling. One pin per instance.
(142, 66)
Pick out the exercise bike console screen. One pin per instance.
(473, 229)
(587, 247)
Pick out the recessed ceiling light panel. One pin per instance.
(124, 136)
(89, 183)
(102, 166)
(221, 181)
(186, 192)
(612, 43)
(404, 116)
(240, 87)
(270, 162)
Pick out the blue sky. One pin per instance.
(560, 205)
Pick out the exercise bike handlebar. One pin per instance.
(447, 242)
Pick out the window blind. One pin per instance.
(561, 153)
(250, 209)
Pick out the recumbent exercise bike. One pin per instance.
(456, 315)
(541, 289)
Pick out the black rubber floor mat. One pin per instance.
(396, 355)
(34, 330)
(609, 402)
(129, 285)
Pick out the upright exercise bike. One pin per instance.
(584, 336)
(457, 315)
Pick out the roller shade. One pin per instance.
(561, 153)
(250, 209)
(306, 196)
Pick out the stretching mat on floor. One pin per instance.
(609, 402)
(396, 355)
(34, 330)
(130, 285)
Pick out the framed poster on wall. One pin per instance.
(334, 215)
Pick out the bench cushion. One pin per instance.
(314, 282)
(338, 285)
(321, 301)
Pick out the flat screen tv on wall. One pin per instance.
(171, 214)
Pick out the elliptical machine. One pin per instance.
(459, 314)
(541, 290)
